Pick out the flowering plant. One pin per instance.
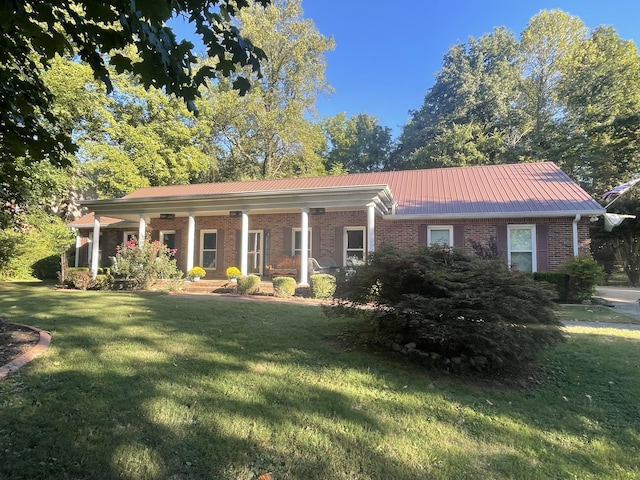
(232, 272)
(197, 272)
(146, 263)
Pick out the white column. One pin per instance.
(371, 228)
(304, 248)
(142, 230)
(95, 247)
(244, 243)
(78, 245)
(191, 240)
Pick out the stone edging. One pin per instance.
(22, 360)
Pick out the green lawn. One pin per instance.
(593, 313)
(152, 386)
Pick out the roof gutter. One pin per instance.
(485, 215)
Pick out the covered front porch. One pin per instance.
(253, 230)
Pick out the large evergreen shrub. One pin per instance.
(445, 307)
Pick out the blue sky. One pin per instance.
(387, 52)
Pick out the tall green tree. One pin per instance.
(599, 140)
(268, 132)
(33, 32)
(134, 138)
(467, 117)
(357, 144)
(547, 47)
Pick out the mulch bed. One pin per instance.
(15, 340)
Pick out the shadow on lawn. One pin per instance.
(157, 402)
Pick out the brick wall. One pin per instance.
(277, 227)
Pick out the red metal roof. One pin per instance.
(87, 221)
(493, 189)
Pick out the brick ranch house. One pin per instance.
(535, 214)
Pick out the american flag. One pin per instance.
(620, 189)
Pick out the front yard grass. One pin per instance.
(153, 386)
(593, 313)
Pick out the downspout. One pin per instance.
(576, 245)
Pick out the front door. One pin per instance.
(256, 247)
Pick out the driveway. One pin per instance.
(623, 300)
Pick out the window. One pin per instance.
(354, 243)
(297, 242)
(522, 254)
(208, 249)
(168, 238)
(126, 236)
(440, 235)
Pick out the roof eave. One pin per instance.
(346, 197)
(485, 215)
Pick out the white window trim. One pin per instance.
(125, 234)
(534, 256)
(162, 233)
(293, 241)
(345, 239)
(440, 227)
(202, 233)
(260, 251)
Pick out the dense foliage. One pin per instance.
(442, 305)
(32, 33)
(147, 263)
(284, 286)
(268, 133)
(33, 246)
(584, 274)
(323, 285)
(622, 244)
(559, 93)
(248, 284)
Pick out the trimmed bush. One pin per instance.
(284, 286)
(323, 285)
(47, 268)
(558, 280)
(584, 274)
(449, 309)
(103, 282)
(248, 284)
(81, 279)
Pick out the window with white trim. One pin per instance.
(168, 238)
(297, 242)
(354, 246)
(126, 236)
(440, 235)
(521, 247)
(209, 249)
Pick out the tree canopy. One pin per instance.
(357, 144)
(269, 132)
(32, 33)
(560, 93)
